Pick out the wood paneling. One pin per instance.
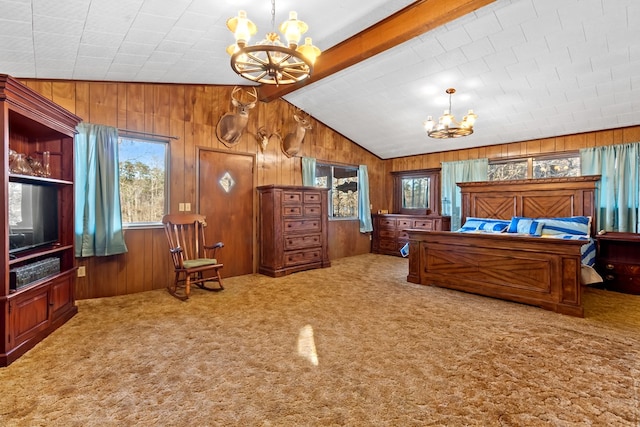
(514, 149)
(190, 113)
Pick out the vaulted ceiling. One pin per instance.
(529, 68)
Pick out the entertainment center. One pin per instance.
(37, 291)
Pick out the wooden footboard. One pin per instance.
(530, 270)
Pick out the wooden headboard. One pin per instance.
(533, 198)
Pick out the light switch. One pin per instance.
(181, 207)
(187, 207)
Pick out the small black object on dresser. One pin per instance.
(618, 261)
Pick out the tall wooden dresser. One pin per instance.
(293, 229)
(618, 261)
(388, 230)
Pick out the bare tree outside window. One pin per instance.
(143, 178)
(342, 182)
(553, 166)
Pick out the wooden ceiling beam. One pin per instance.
(410, 22)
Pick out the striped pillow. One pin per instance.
(528, 226)
(484, 224)
(576, 225)
(587, 251)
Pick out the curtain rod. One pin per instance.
(147, 134)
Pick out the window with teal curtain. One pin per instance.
(364, 207)
(618, 192)
(308, 171)
(98, 219)
(460, 171)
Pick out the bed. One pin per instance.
(544, 272)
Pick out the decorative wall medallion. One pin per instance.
(226, 182)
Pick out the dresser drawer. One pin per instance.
(312, 210)
(388, 234)
(291, 197)
(388, 244)
(387, 223)
(619, 268)
(291, 210)
(312, 197)
(302, 257)
(404, 223)
(302, 242)
(302, 225)
(423, 224)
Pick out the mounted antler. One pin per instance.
(263, 138)
(293, 141)
(231, 126)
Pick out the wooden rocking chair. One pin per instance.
(194, 262)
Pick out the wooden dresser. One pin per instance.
(618, 261)
(293, 229)
(388, 235)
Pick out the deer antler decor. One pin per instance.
(293, 141)
(231, 126)
(264, 137)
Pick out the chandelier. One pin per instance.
(447, 127)
(269, 61)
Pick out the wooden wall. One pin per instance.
(191, 112)
(514, 149)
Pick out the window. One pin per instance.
(342, 182)
(416, 192)
(143, 178)
(551, 166)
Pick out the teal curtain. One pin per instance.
(98, 220)
(460, 171)
(364, 205)
(308, 171)
(618, 192)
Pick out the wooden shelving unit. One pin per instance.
(33, 308)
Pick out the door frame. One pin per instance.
(254, 201)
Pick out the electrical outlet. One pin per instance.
(187, 207)
(181, 207)
(82, 271)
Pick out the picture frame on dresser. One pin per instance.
(416, 192)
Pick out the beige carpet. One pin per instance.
(351, 345)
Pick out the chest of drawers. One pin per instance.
(618, 261)
(388, 230)
(293, 233)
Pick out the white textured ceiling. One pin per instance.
(529, 68)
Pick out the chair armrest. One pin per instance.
(211, 250)
(215, 246)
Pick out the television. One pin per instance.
(33, 216)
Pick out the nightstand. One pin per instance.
(618, 261)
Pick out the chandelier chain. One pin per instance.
(273, 15)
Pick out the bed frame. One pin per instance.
(530, 270)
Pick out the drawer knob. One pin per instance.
(609, 266)
(609, 277)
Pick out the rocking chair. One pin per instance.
(194, 262)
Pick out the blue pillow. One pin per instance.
(484, 224)
(523, 225)
(577, 225)
(587, 251)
